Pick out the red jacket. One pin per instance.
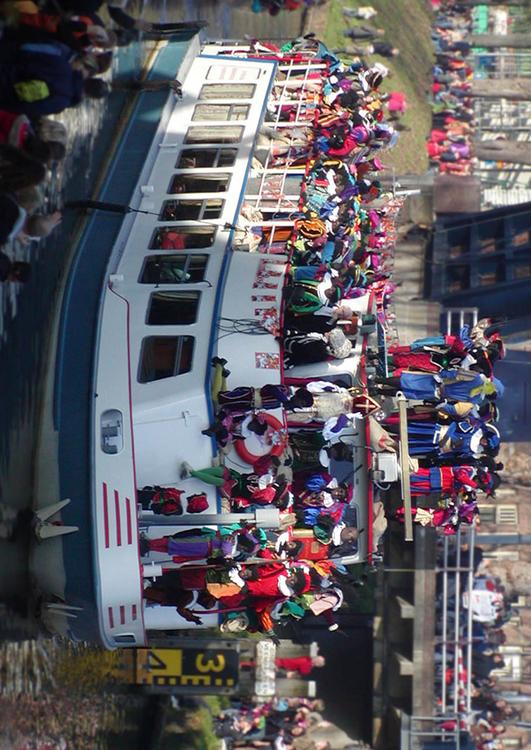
(301, 664)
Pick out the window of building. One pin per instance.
(165, 357)
(214, 134)
(182, 238)
(522, 270)
(457, 278)
(487, 513)
(227, 91)
(174, 269)
(173, 308)
(191, 210)
(191, 158)
(491, 272)
(520, 239)
(512, 671)
(507, 514)
(221, 112)
(199, 183)
(491, 236)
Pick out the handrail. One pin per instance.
(404, 466)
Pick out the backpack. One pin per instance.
(31, 91)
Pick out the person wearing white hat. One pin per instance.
(324, 401)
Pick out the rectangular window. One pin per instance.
(522, 270)
(520, 239)
(457, 278)
(174, 269)
(199, 183)
(214, 134)
(233, 72)
(165, 357)
(507, 514)
(487, 513)
(173, 308)
(182, 238)
(192, 158)
(191, 210)
(221, 112)
(227, 91)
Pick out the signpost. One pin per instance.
(188, 669)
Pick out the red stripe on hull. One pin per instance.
(106, 515)
(118, 519)
(129, 521)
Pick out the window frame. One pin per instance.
(201, 215)
(187, 259)
(215, 177)
(227, 96)
(179, 297)
(202, 231)
(218, 151)
(230, 110)
(216, 129)
(180, 342)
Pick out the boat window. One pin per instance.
(221, 112)
(182, 238)
(214, 134)
(174, 269)
(199, 183)
(173, 308)
(191, 210)
(231, 73)
(165, 357)
(191, 158)
(227, 91)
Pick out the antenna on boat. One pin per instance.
(120, 208)
(117, 208)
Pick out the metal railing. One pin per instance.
(465, 315)
(453, 651)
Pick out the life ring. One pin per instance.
(276, 450)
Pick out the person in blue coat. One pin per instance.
(457, 385)
(40, 79)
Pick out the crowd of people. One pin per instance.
(452, 432)
(367, 40)
(53, 55)
(50, 60)
(339, 248)
(280, 723)
(488, 606)
(450, 143)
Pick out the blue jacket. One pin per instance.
(48, 63)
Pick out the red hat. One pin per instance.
(307, 583)
(197, 503)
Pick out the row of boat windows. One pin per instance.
(168, 356)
